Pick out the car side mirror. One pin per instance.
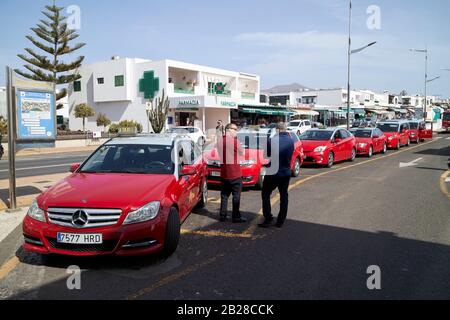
(376, 136)
(74, 167)
(187, 170)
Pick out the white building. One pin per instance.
(121, 88)
(3, 107)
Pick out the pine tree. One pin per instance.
(48, 66)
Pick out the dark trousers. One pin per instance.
(269, 185)
(231, 187)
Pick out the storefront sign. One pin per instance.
(188, 103)
(228, 104)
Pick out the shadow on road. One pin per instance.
(301, 261)
(20, 191)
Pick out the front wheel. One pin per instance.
(408, 143)
(172, 233)
(370, 154)
(204, 195)
(353, 155)
(330, 159)
(398, 145)
(384, 148)
(296, 169)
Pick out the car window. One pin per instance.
(294, 124)
(317, 135)
(139, 159)
(294, 136)
(388, 127)
(362, 133)
(344, 134)
(307, 123)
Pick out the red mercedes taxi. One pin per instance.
(327, 146)
(128, 198)
(369, 141)
(419, 131)
(397, 132)
(253, 161)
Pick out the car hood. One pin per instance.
(309, 145)
(121, 191)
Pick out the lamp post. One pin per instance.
(350, 52)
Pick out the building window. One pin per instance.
(77, 86)
(100, 80)
(119, 81)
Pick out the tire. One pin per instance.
(408, 143)
(298, 133)
(353, 155)
(201, 141)
(370, 152)
(296, 170)
(384, 148)
(330, 159)
(172, 233)
(398, 145)
(204, 195)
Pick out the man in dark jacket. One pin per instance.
(230, 150)
(279, 150)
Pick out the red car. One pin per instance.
(128, 198)
(328, 146)
(446, 120)
(253, 161)
(397, 132)
(419, 131)
(369, 141)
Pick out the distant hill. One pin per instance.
(294, 87)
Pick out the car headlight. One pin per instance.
(390, 138)
(210, 162)
(247, 163)
(35, 212)
(320, 149)
(362, 145)
(145, 213)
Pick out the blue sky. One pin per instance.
(283, 41)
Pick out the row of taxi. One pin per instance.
(320, 146)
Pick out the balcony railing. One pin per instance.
(248, 95)
(225, 93)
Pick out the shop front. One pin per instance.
(254, 115)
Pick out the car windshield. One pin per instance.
(294, 124)
(446, 116)
(272, 126)
(362, 133)
(139, 159)
(388, 127)
(317, 135)
(181, 130)
(414, 125)
(252, 141)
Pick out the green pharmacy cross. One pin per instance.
(219, 88)
(149, 85)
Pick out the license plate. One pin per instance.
(77, 238)
(215, 173)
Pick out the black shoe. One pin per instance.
(239, 220)
(223, 219)
(266, 224)
(279, 225)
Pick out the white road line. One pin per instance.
(447, 179)
(41, 167)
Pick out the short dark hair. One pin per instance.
(228, 126)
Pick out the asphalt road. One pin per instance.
(341, 221)
(27, 166)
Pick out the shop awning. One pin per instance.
(305, 112)
(377, 111)
(268, 112)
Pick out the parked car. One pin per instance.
(299, 126)
(419, 131)
(446, 120)
(194, 133)
(253, 161)
(128, 198)
(369, 141)
(397, 132)
(327, 146)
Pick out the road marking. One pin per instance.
(174, 277)
(442, 181)
(254, 224)
(410, 164)
(447, 180)
(8, 267)
(209, 233)
(40, 167)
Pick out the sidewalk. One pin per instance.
(10, 221)
(32, 152)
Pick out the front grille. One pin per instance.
(310, 159)
(106, 246)
(95, 217)
(213, 178)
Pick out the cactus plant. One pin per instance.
(158, 112)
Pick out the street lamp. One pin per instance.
(426, 76)
(350, 52)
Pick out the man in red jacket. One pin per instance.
(230, 149)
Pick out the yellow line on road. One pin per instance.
(210, 233)
(442, 183)
(8, 267)
(173, 277)
(253, 226)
